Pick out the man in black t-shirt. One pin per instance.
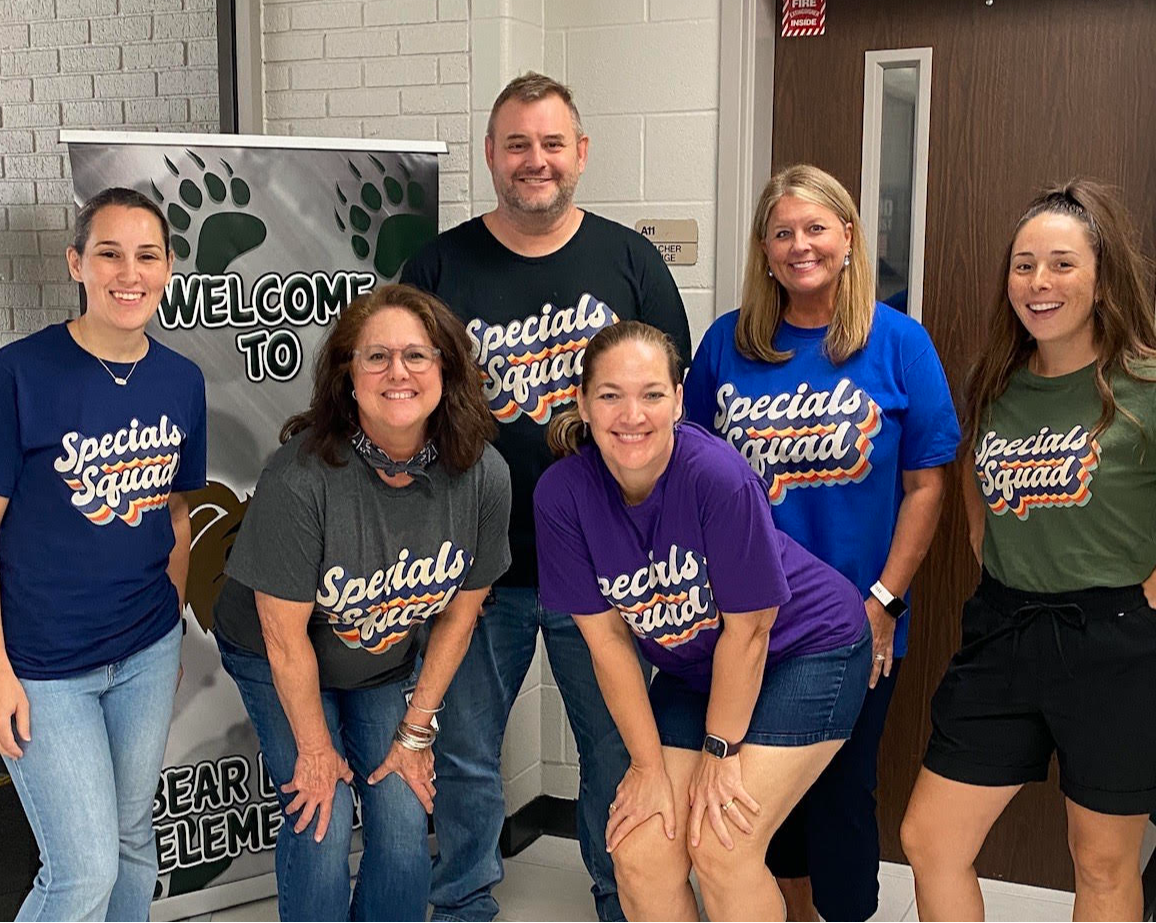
(533, 280)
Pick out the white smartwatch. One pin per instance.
(894, 606)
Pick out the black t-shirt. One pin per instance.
(530, 318)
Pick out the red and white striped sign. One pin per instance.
(804, 18)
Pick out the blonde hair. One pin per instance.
(567, 430)
(764, 300)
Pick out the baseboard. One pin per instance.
(542, 816)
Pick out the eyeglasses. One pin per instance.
(417, 359)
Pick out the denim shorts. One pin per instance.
(804, 700)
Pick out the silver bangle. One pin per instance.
(411, 743)
(414, 736)
(418, 730)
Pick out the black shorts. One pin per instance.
(1073, 673)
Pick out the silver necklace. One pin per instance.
(111, 374)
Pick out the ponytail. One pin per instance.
(567, 433)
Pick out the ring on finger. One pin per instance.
(613, 807)
(880, 658)
(727, 806)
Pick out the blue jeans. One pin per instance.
(313, 878)
(87, 780)
(469, 808)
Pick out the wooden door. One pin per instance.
(1024, 92)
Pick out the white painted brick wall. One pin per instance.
(397, 69)
(118, 64)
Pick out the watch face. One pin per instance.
(897, 607)
(715, 746)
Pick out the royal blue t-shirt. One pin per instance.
(88, 466)
(831, 441)
(702, 543)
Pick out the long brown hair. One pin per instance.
(567, 431)
(1123, 327)
(459, 426)
(765, 300)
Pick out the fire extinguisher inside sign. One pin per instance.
(804, 18)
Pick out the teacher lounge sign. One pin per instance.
(273, 238)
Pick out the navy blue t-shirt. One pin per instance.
(831, 441)
(88, 466)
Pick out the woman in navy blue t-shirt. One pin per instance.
(102, 432)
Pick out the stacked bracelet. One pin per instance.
(427, 711)
(414, 736)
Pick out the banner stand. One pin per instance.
(273, 238)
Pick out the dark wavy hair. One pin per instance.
(1123, 327)
(460, 425)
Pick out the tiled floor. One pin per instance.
(547, 881)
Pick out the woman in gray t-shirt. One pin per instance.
(384, 507)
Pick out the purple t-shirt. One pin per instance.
(702, 542)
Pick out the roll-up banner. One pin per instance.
(273, 238)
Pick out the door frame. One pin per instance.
(745, 117)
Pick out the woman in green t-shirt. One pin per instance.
(1059, 640)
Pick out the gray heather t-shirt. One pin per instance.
(376, 560)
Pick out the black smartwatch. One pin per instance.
(719, 748)
(894, 606)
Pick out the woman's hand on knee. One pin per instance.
(717, 792)
(315, 777)
(642, 793)
(416, 767)
(13, 709)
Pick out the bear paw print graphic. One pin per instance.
(226, 231)
(385, 216)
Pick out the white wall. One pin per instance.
(131, 65)
(646, 77)
(374, 69)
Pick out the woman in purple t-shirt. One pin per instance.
(660, 533)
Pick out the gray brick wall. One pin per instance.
(126, 65)
(374, 69)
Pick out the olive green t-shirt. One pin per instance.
(1066, 511)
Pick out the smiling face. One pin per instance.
(631, 405)
(536, 157)
(1051, 281)
(805, 245)
(124, 268)
(394, 405)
